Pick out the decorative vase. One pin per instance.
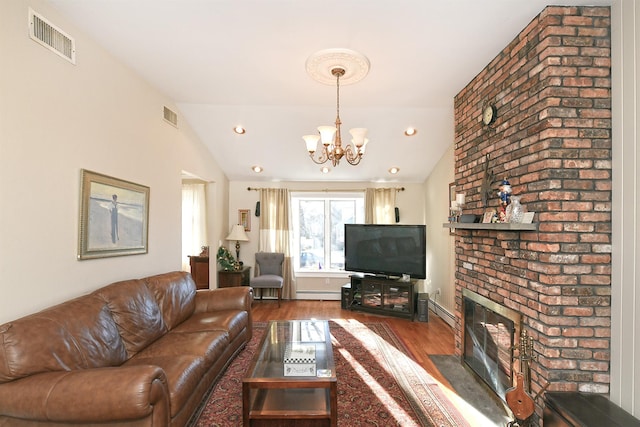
(515, 211)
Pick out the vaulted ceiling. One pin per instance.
(242, 62)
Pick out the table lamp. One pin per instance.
(238, 234)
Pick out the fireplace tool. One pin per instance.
(519, 397)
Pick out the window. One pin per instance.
(194, 224)
(318, 228)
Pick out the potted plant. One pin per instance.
(225, 260)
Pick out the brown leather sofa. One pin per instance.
(140, 352)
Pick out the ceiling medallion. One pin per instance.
(340, 66)
(321, 64)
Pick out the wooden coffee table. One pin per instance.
(300, 392)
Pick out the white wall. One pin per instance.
(57, 118)
(625, 288)
(440, 244)
(313, 285)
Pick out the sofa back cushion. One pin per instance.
(77, 334)
(175, 293)
(136, 313)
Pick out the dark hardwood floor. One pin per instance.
(422, 338)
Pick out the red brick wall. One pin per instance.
(552, 140)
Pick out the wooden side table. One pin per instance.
(227, 279)
(200, 271)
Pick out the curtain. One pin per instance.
(275, 232)
(379, 205)
(194, 221)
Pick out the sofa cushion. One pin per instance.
(77, 334)
(209, 345)
(136, 312)
(231, 321)
(175, 293)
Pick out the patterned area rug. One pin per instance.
(378, 383)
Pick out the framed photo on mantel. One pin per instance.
(488, 216)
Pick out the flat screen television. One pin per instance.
(386, 250)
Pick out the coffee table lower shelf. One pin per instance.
(291, 406)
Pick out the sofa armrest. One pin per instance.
(88, 395)
(235, 298)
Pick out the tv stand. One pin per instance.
(380, 296)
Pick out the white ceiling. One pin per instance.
(230, 62)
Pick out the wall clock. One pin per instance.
(489, 114)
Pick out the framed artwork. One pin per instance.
(244, 218)
(452, 198)
(452, 192)
(114, 217)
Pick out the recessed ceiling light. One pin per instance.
(410, 131)
(325, 169)
(239, 130)
(394, 170)
(257, 169)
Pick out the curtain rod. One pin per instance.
(325, 189)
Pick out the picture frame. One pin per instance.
(527, 218)
(488, 216)
(244, 218)
(452, 192)
(452, 198)
(114, 217)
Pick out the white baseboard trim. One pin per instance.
(443, 313)
(319, 295)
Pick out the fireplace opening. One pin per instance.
(490, 331)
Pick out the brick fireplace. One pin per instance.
(551, 87)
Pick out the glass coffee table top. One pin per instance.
(289, 343)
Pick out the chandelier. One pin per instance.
(336, 62)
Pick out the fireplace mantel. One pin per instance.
(497, 226)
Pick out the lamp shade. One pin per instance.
(238, 234)
(326, 134)
(364, 146)
(359, 136)
(312, 142)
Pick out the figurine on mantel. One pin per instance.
(505, 199)
(510, 209)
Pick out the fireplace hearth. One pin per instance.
(490, 333)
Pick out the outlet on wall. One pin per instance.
(437, 291)
(326, 281)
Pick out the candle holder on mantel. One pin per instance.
(455, 210)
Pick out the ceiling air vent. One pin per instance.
(54, 39)
(171, 116)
